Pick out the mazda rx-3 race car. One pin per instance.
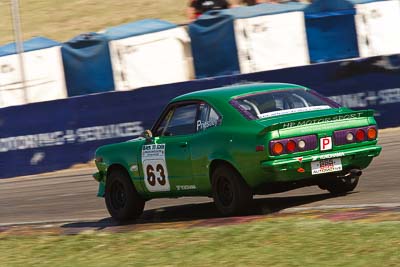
(233, 142)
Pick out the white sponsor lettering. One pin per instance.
(321, 120)
(81, 135)
(351, 100)
(389, 96)
(328, 156)
(185, 187)
(202, 125)
(291, 111)
(364, 99)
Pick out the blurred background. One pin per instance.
(78, 74)
(62, 20)
(131, 57)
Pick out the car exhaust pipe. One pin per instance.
(355, 172)
(352, 174)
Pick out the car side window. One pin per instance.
(161, 127)
(208, 117)
(178, 121)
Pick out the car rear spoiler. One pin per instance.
(318, 119)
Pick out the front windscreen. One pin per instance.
(276, 103)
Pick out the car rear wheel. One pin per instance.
(122, 200)
(231, 194)
(341, 185)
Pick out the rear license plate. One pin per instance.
(325, 166)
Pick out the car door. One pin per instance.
(166, 160)
(205, 143)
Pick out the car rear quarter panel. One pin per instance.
(233, 143)
(245, 156)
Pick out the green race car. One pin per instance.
(233, 142)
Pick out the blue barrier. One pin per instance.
(87, 64)
(213, 37)
(327, 23)
(32, 44)
(136, 28)
(213, 46)
(54, 135)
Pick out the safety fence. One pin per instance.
(53, 135)
(225, 42)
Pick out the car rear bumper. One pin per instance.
(297, 168)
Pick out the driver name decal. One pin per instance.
(154, 168)
(203, 125)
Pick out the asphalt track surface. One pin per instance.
(70, 195)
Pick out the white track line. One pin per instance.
(54, 222)
(327, 207)
(288, 210)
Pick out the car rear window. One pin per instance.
(276, 103)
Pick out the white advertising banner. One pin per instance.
(377, 26)
(271, 42)
(44, 74)
(152, 59)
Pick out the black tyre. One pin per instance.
(231, 194)
(341, 185)
(122, 200)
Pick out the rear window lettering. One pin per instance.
(291, 111)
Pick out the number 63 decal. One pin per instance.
(151, 177)
(156, 175)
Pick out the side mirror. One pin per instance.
(148, 135)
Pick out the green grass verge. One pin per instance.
(61, 20)
(283, 242)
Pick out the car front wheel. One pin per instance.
(231, 194)
(122, 200)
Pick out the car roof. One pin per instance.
(228, 92)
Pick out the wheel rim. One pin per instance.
(225, 191)
(118, 195)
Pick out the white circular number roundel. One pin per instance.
(156, 175)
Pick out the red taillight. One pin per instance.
(290, 146)
(360, 135)
(371, 133)
(348, 136)
(277, 148)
